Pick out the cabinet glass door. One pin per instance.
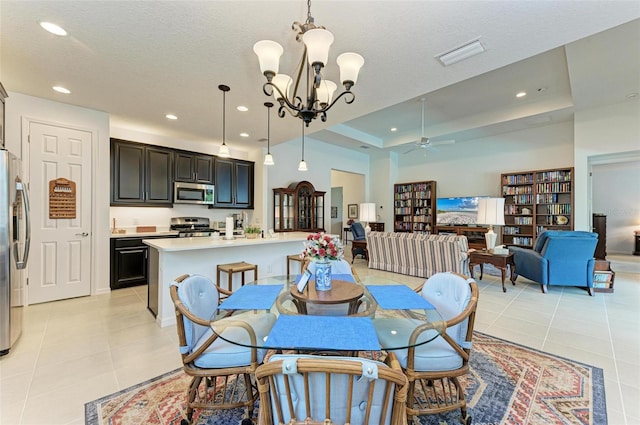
(277, 218)
(287, 211)
(319, 212)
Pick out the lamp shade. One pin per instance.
(224, 152)
(350, 64)
(283, 83)
(268, 53)
(318, 42)
(325, 91)
(302, 166)
(368, 212)
(268, 159)
(491, 211)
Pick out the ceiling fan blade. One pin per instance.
(442, 142)
(411, 150)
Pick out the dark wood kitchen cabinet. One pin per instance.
(193, 167)
(129, 265)
(141, 175)
(233, 183)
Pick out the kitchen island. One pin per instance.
(171, 258)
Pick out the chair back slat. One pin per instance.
(334, 389)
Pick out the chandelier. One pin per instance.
(318, 97)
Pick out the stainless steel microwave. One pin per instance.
(193, 193)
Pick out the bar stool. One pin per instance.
(232, 268)
(293, 257)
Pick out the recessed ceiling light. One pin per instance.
(242, 108)
(394, 129)
(244, 134)
(171, 117)
(53, 28)
(61, 89)
(521, 94)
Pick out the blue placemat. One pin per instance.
(346, 277)
(398, 297)
(323, 333)
(252, 297)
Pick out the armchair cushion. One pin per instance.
(221, 353)
(358, 232)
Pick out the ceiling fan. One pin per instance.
(424, 142)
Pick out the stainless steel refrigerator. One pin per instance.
(15, 232)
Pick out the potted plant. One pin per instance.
(252, 232)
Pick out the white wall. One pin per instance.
(473, 168)
(321, 158)
(20, 107)
(616, 193)
(600, 131)
(353, 190)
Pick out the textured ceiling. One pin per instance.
(141, 60)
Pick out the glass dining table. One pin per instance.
(385, 315)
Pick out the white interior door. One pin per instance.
(60, 257)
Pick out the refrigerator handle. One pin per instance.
(25, 255)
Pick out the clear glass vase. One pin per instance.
(323, 275)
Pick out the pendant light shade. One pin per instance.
(223, 152)
(268, 158)
(317, 41)
(303, 165)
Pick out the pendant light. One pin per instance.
(303, 165)
(268, 158)
(224, 149)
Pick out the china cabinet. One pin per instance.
(298, 207)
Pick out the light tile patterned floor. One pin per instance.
(78, 350)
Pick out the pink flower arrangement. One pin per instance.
(319, 246)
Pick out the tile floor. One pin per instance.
(74, 351)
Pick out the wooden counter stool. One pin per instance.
(232, 268)
(293, 257)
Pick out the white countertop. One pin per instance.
(134, 234)
(186, 244)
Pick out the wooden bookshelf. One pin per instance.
(414, 207)
(536, 201)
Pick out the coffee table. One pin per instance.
(501, 261)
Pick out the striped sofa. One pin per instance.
(418, 254)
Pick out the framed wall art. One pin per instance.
(353, 210)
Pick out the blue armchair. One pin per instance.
(358, 235)
(562, 258)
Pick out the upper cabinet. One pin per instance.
(193, 167)
(141, 175)
(233, 183)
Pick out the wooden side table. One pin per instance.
(359, 244)
(501, 261)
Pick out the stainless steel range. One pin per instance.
(191, 227)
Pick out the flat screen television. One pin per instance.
(457, 211)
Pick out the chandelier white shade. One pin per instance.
(316, 98)
(491, 212)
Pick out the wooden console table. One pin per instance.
(500, 261)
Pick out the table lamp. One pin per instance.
(367, 214)
(491, 212)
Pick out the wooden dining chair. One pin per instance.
(433, 368)
(318, 390)
(221, 371)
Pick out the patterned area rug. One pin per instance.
(508, 384)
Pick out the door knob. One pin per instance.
(83, 234)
